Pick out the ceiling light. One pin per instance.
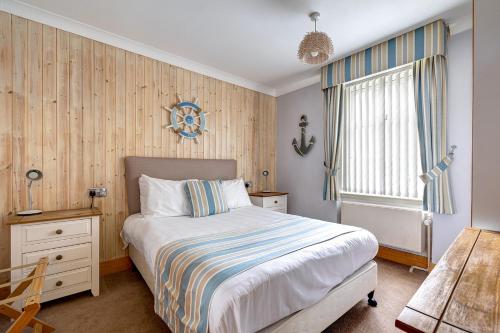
(316, 47)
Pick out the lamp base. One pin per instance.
(29, 212)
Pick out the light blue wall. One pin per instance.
(447, 227)
(302, 177)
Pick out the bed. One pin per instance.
(302, 291)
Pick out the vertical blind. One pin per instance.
(380, 149)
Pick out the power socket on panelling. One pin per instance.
(98, 192)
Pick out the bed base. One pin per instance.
(315, 318)
(140, 263)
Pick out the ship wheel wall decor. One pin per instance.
(187, 120)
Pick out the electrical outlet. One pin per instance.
(98, 192)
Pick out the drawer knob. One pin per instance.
(59, 283)
(59, 257)
(59, 231)
(275, 201)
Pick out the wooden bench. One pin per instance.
(462, 293)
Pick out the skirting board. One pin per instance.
(115, 266)
(401, 257)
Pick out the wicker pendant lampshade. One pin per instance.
(316, 47)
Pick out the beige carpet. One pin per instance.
(126, 305)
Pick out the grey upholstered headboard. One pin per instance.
(173, 169)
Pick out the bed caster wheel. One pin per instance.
(371, 301)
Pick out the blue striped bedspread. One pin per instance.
(188, 271)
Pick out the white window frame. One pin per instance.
(384, 200)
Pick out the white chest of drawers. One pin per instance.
(70, 240)
(276, 201)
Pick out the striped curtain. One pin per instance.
(333, 129)
(429, 77)
(423, 42)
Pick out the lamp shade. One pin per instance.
(315, 48)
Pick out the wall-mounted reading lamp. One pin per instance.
(265, 173)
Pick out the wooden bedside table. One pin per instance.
(271, 200)
(69, 238)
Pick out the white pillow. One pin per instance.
(235, 193)
(163, 197)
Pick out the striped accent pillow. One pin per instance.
(206, 197)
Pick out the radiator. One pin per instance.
(400, 228)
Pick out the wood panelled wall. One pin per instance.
(74, 108)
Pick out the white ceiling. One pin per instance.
(249, 42)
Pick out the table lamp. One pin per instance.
(32, 175)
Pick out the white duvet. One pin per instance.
(264, 294)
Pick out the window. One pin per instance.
(380, 149)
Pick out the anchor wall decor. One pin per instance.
(303, 149)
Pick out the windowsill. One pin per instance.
(382, 200)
